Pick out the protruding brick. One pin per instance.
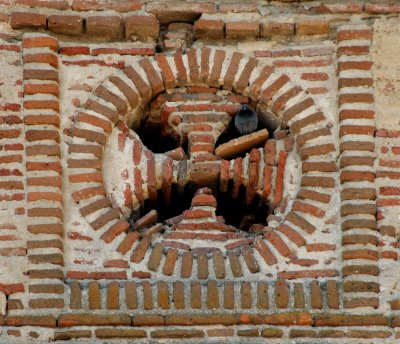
(141, 27)
(209, 29)
(69, 25)
(108, 26)
(22, 20)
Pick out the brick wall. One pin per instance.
(131, 208)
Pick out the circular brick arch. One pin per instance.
(121, 98)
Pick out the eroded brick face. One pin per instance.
(132, 208)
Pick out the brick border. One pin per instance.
(44, 171)
(357, 176)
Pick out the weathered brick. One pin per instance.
(141, 27)
(43, 321)
(110, 333)
(274, 28)
(108, 26)
(350, 320)
(67, 335)
(312, 27)
(69, 25)
(209, 29)
(21, 20)
(179, 11)
(84, 319)
(282, 319)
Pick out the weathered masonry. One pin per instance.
(131, 208)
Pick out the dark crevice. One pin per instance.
(154, 139)
(234, 211)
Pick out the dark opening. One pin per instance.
(240, 215)
(154, 139)
(235, 211)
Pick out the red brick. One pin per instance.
(168, 76)
(271, 333)
(99, 5)
(40, 74)
(283, 319)
(350, 320)
(21, 20)
(241, 30)
(273, 28)
(179, 11)
(271, 90)
(109, 26)
(307, 274)
(278, 243)
(69, 25)
(69, 320)
(140, 251)
(143, 88)
(43, 89)
(109, 96)
(72, 51)
(48, 58)
(208, 28)
(279, 178)
(40, 42)
(97, 275)
(355, 65)
(59, 4)
(382, 8)
(43, 321)
(87, 193)
(360, 254)
(177, 334)
(128, 242)
(115, 230)
(219, 58)
(312, 27)
(106, 125)
(142, 27)
(110, 333)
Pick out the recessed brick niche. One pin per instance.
(132, 209)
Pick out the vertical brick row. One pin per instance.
(357, 176)
(12, 176)
(320, 295)
(43, 163)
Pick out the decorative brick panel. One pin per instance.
(130, 206)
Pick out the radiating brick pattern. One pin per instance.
(263, 86)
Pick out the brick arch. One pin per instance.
(124, 95)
